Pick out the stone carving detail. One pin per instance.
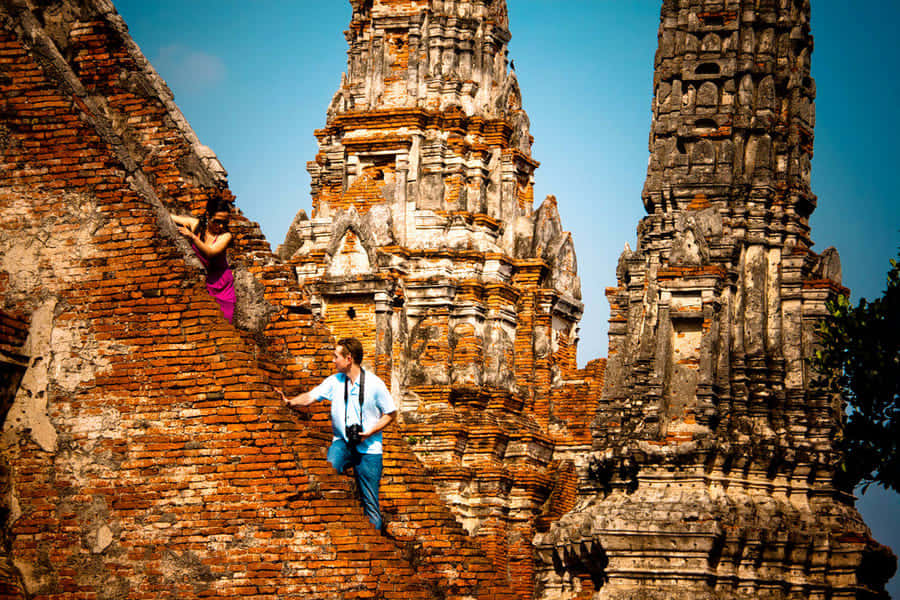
(711, 469)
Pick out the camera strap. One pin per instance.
(362, 395)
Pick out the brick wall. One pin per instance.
(361, 325)
(148, 453)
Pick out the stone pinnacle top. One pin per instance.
(733, 109)
(432, 54)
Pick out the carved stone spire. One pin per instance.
(424, 242)
(733, 116)
(426, 149)
(713, 468)
(731, 287)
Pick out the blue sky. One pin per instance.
(254, 80)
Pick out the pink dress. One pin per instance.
(219, 281)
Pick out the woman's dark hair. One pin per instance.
(215, 204)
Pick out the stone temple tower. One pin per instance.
(423, 242)
(422, 198)
(713, 468)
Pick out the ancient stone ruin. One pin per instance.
(145, 450)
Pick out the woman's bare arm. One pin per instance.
(211, 250)
(185, 221)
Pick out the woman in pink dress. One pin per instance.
(210, 238)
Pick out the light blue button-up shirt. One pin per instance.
(378, 402)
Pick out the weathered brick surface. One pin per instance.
(14, 361)
(148, 455)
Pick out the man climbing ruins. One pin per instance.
(361, 407)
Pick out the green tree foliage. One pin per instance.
(860, 356)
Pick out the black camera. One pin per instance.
(354, 434)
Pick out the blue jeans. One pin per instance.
(366, 471)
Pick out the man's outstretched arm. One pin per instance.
(304, 399)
